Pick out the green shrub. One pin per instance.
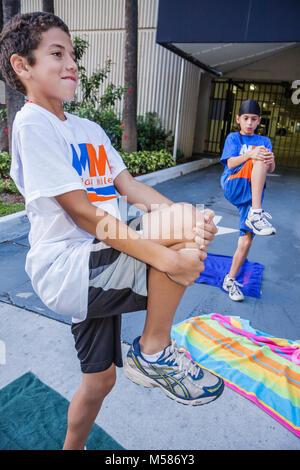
(7, 185)
(151, 135)
(5, 160)
(7, 208)
(3, 114)
(147, 161)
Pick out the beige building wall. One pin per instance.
(101, 22)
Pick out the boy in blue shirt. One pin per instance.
(84, 261)
(247, 158)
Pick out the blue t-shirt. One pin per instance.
(233, 148)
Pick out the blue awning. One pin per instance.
(221, 36)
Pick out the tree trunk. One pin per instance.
(14, 99)
(129, 139)
(48, 6)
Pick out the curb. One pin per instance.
(14, 226)
(179, 170)
(17, 225)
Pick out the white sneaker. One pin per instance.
(259, 224)
(233, 288)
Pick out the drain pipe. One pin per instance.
(178, 110)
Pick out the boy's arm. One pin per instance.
(139, 194)
(234, 162)
(183, 266)
(258, 153)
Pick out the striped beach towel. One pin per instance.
(262, 368)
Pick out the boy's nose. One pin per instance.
(71, 65)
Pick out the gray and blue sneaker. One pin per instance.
(175, 373)
(259, 224)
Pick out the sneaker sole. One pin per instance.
(141, 379)
(237, 300)
(249, 225)
(227, 290)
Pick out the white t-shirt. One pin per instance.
(52, 157)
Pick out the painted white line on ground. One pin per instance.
(222, 230)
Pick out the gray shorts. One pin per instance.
(117, 284)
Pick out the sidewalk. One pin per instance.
(143, 418)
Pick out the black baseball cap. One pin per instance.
(249, 107)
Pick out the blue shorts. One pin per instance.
(237, 190)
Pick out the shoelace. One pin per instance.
(264, 215)
(234, 288)
(263, 222)
(185, 364)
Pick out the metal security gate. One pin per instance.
(280, 117)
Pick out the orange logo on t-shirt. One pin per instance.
(95, 172)
(246, 170)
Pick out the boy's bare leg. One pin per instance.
(164, 296)
(244, 244)
(85, 406)
(258, 178)
(172, 227)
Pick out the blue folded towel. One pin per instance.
(217, 266)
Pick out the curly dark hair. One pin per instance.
(21, 35)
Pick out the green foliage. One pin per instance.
(151, 134)
(5, 160)
(3, 114)
(147, 161)
(7, 208)
(6, 183)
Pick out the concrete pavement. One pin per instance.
(139, 418)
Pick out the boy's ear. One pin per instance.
(237, 118)
(20, 66)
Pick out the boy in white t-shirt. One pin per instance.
(83, 260)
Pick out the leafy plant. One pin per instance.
(7, 185)
(5, 160)
(7, 208)
(3, 114)
(147, 161)
(151, 135)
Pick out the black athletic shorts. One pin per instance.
(117, 284)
